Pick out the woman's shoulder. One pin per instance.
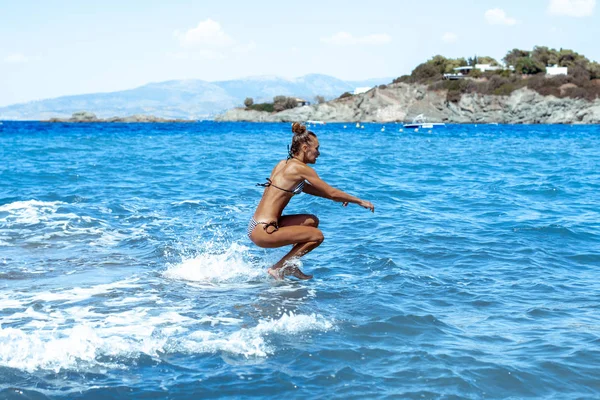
(298, 169)
(280, 166)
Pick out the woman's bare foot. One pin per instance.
(275, 273)
(296, 272)
(279, 273)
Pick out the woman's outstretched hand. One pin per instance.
(363, 203)
(367, 204)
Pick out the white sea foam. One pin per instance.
(29, 212)
(293, 324)
(127, 335)
(6, 302)
(20, 205)
(132, 300)
(253, 342)
(217, 266)
(47, 350)
(221, 320)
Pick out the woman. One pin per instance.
(269, 229)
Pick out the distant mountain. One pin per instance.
(189, 99)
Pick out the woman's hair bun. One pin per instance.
(298, 128)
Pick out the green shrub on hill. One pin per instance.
(545, 87)
(487, 60)
(455, 89)
(425, 73)
(499, 72)
(513, 55)
(594, 70)
(529, 66)
(570, 58)
(545, 55)
(403, 79)
(267, 107)
(281, 103)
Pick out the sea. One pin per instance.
(126, 272)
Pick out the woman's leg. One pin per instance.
(299, 219)
(297, 251)
(300, 231)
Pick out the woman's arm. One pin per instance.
(320, 188)
(310, 189)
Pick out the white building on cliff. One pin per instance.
(552, 70)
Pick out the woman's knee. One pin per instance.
(318, 237)
(312, 220)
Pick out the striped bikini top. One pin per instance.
(297, 190)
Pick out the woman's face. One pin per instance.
(312, 151)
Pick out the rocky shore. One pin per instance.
(402, 102)
(84, 116)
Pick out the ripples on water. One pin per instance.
(125, 272)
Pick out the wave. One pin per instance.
(119, 340)
(35, 223)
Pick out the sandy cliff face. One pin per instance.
(402, 102)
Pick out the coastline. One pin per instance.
(401, 102)
(88, 117)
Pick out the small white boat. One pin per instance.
(420, 121)
(316, 122)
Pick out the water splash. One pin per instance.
(218, 265)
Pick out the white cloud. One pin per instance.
(345, 39)
(497, 16)
(207, 34)
(572, 8)
(449, 37)
(16, 58)
(208, 40)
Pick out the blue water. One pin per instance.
(125, 270)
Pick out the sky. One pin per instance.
(54, 48)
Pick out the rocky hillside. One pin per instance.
(185, 99)
(403, 101)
